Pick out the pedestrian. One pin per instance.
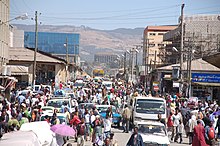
(176, 118)
(199, 138)
(180, 131)
(74, 122)
(87, 123)
(192, 123)
(218, 127)
(170, 122)
(126, 119)
(113, 142)
(97, 130)
(210, 134)
(107, 126)
(135, 139)
(81, 128)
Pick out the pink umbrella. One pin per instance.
(63, 130)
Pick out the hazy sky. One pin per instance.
(110, 14)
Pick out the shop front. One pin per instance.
(206, 85)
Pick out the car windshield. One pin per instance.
(57, 103)
(108, 85)
(104, 109)
(150, 106)
(152, 129)
(88, 106)
(77, 84)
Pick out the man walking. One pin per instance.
(135, 139)
(126, 119)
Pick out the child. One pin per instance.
(180, 129)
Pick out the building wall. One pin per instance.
(105, 58)
(153, 44)
(201, 33)
(18, 37)
(4, 31)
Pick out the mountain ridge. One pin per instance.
(95, 40)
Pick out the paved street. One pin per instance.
(122, 139)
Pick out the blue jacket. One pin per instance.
(139, 140)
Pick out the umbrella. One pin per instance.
(63, 130)
(216, 113)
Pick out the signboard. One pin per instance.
(156, 88)
(205, 78)
(176, 85)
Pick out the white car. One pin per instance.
(107, 84)
(59, 102)
(153, 133)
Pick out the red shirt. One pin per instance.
(75, 120)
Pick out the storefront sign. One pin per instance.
(205, 77)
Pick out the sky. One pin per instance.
(109, 14)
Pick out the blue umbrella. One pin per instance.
(59, 93)
(217, 112)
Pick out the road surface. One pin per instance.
(122, 139)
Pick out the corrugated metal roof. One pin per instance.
(24, 54)
(18, 69)
(197, 65)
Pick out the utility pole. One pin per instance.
(181, 51)
(132, 64)
(35, 50)
(146, 63)
(125, 55)
(67, 59)
(190, 68)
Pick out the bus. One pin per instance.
(98, 73)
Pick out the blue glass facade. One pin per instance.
(53, 43)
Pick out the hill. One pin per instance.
(94, 40)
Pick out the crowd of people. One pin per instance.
(200, 123)
(201, 126)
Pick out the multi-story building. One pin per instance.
(153, 42)
(59, 44)
(4, 32)
(105, 57)
(201, 34)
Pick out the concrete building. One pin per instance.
(153, 42)
(105, 57)
(201, 34)
(49, 67)
(4, 32)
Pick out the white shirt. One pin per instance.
(107, 125)
(87, 118)
(92, 118)
(176, 119)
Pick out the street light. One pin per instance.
(21, 17)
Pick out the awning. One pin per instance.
(207, 84)
(18, 70)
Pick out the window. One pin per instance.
(161, 45)
(153, 34)
(160, 33)
(152, 45)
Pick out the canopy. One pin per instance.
(20, 138)
(41, 129)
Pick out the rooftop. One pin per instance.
(160, 28)
(27, 54)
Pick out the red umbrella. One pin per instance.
(63, 130)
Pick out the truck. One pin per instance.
(144, 108)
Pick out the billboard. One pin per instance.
(206, 77)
